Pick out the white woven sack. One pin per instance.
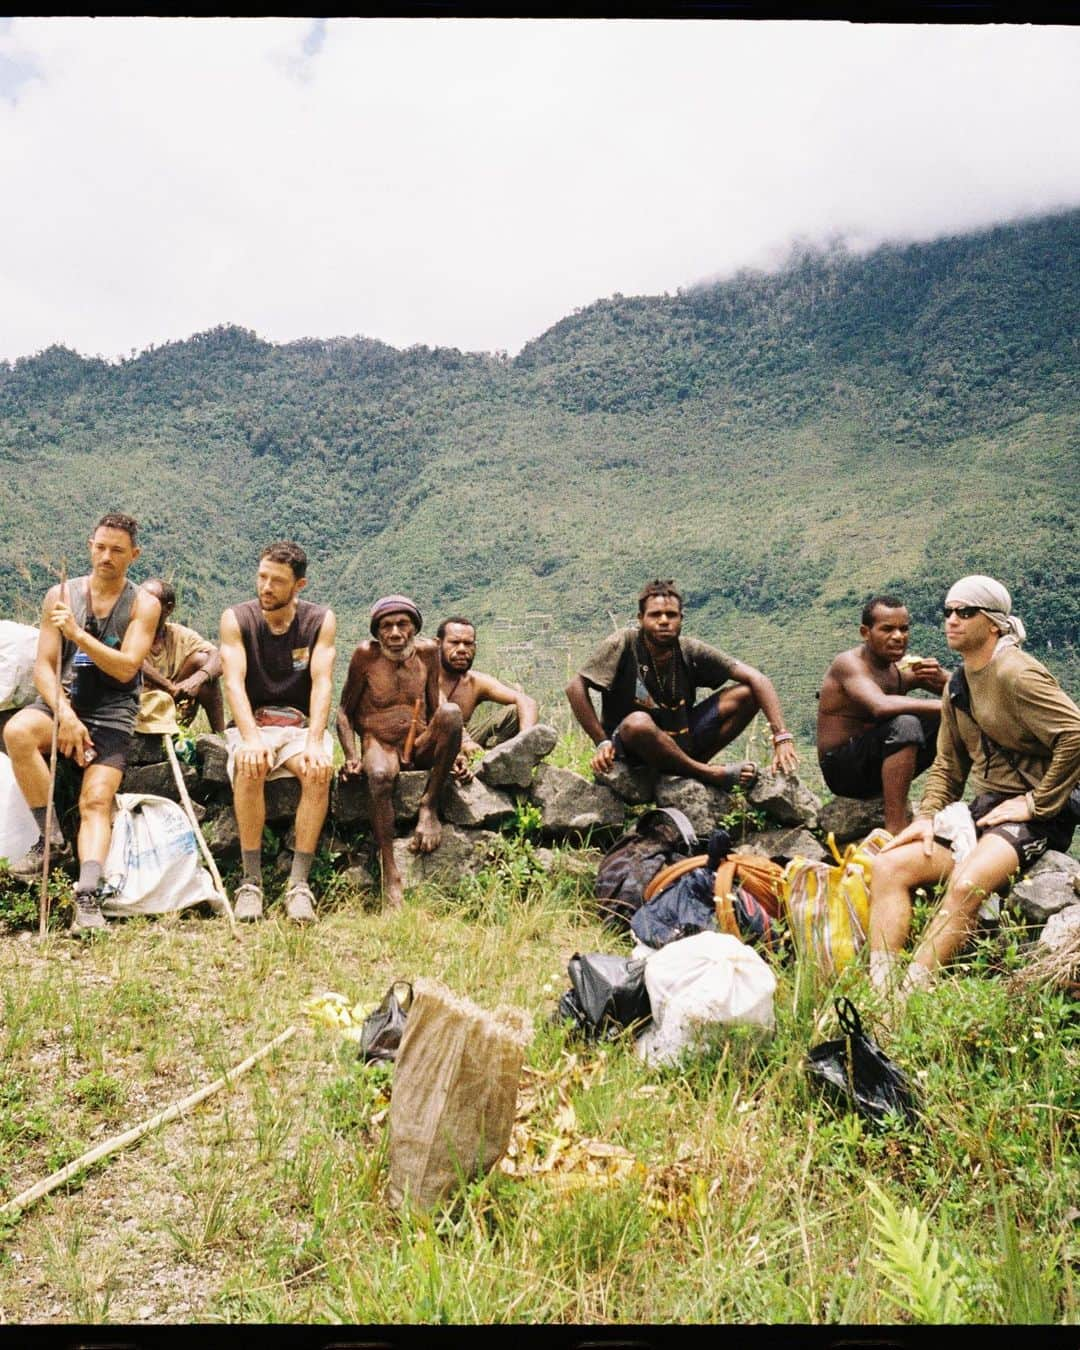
(18, 829)
(153, 861)
(706, 980)
(18, 651)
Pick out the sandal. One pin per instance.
(733, 777)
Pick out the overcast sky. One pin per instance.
(467, 183)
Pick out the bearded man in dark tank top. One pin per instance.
(101, 626)
(278, 657)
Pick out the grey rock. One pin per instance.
(635, 784)
(790, 843)
(358, 876)
(460, 853)
(145, 750)
(570, 803)
(703, 806)
(350, 800)
(212, 754)
(157, 780)
(784, 799)
(474, 804)
(513, 763)
(545, 858)
(1062, 929)
(849, 819)
(222, 833)
(1048, 887)
(282, 796)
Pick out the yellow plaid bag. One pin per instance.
(828, 906)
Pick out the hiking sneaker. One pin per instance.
(248, 900)
(299, 902)
(28, 867)
(88, 915)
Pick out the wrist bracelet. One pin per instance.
(606, 741)
(780, 736)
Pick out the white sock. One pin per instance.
(883, 970)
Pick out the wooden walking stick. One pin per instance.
(43, 899)
(410, 735)
(204, 848)
(118, 1141)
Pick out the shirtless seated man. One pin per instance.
(391, 697)
(872, 738)
(648, 679)
(460, 684)
(181, 674)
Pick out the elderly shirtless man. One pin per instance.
(391, 697)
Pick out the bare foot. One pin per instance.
(428, 833)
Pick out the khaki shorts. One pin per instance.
(283, 743)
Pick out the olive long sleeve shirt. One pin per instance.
(1021, 707)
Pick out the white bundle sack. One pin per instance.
(18, 830)
(18, 651)
(706, 980)
(153, 862)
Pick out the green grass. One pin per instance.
(738, 1193)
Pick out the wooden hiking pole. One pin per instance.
(43, 899)
(14, 1207)
(204, 848)
(410, 735)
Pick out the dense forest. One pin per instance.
(782, 444)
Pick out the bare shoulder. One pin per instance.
(328, 628)
(426, 644)
(846, 663)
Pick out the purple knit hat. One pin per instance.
(394, 604)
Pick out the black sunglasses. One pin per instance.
(962, 611)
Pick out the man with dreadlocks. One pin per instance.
(1008, 725)
(648, 678)
(391, 697)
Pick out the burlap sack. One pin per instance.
(454, 1093)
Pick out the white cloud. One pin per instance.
(468, 182)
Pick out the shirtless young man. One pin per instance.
(278, 654)
(105, 626)
(460, 684)
(181, 673)
(391, 697)
(648, 679)
(872, 738)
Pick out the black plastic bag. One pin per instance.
(858, 1069)
(380, 1035)
(608, 995)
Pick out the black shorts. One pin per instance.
(854, 769)
(1029, 838)
(703, 717)
(112, 745)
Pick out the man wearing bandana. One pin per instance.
(391, 697)
(1007, 725)
(648, 679)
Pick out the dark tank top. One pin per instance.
(93, 694)
(279, 664)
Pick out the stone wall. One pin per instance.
(573, 810)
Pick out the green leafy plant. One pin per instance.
(922, 1283)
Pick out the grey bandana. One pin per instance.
(993, 599)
